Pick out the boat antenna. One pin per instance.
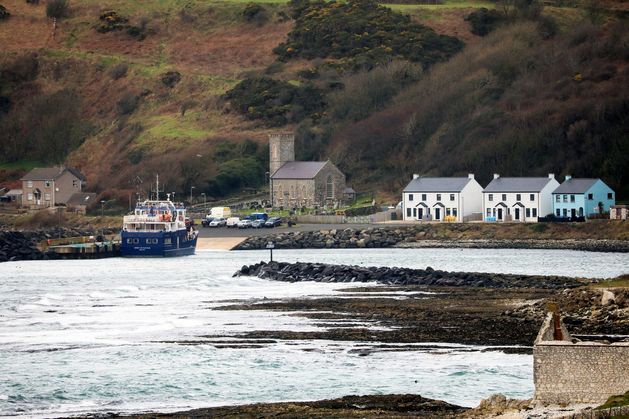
(157, 187)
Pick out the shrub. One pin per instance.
(57, 8)
(255, 13)
(118, 71)
(484, 21)
(364, 33)
(23, 68)
(547, 27)
(32, 1)
(4, 13)
(171, 78)
(139, 31)
(128, 104)
(5, 104)
(276, 102)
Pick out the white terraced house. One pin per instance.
(522, 199)
(442, 199)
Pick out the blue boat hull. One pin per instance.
(156, 244)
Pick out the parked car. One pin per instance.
(273, 222)
(244, 224)
(218, 222)
(259, 216)
(206, 221)
(257, 223)
(232, 222)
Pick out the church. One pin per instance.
(297, 184)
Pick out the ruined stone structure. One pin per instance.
(296, 184)
(571, 371)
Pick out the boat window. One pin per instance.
(167, 241)
(129, 241)
(136, 241)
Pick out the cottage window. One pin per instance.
(534, 212)
(532, 197)
(558, 212)
(489, 212)
(490, 197)
(438, 197)
(454, 212)
(29, 184)
(329, 188)
(447, 212)
(423, 197)
(518, 197)
(408, 212)
(504, 196)
(528, 212)
(590, 196)
(451, 197)
(47, 197)
(410, 196)
(30, 197)
(565, 212)
(47, 183)
(610, 195)
(414, 212)
(565, 198)
(558, 198)
(75, 183)
(571, 198)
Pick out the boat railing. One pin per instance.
(160, 218)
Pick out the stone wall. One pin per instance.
(570, 371)
(338, 179)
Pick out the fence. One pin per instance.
(378, 217)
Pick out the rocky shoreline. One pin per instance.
(413, 237)
(321, 272)
(22, 245)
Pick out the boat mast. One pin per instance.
(157, 187)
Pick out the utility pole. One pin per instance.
(191, 188)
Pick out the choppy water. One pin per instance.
(84, 336)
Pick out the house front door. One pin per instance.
(420, 213)
(573, 213)
(437, 213)
(517, 214)
(500, 214)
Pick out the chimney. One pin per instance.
(568, 177)
(470, 175)
(415, 176)
(551, 176)
(496, 175)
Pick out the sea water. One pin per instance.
(121, 335)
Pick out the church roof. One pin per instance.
(299, 170)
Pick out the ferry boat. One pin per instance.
(157, 228)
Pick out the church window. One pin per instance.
(329, 188)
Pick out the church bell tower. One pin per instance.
(281, 149)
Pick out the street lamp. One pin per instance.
(204, 200)
(191, 188)
(102, 207)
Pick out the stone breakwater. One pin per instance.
(321, 272)
(22, 245)
(412, 238)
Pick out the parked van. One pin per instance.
(221, 212)
(259, 216)
(232, 222)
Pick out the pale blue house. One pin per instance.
(582, 198)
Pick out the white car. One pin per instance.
(244, 224)
(218, 222)
(232, 222)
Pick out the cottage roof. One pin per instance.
(437, 184)
(51, 173)
(299, 170)
(518, 184)
(13, 192)
(82, 198)
(579, 185)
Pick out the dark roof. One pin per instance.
(299, 170)
(517, 184)
(76, 173)
(51, 173)
(437, 184)
(575, 186)
(82, 198)
(13, 192)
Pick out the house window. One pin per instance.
(532, 197)
(29, 184)
(408, 212)
(423, 197)
(565, 212)
(518, 197)
(47, 197)
(489, 212)
(590, 196)
(454, 212)
(558, 212)
(558, 198)
(47, 183)
(75, 183)
(490, 197)
(447, 212)
(438, 197)
(571, 198)
(528, 212)
(414, 212)
(610, 195)
(534, 212)
(30, 196)
(410, 196)
(451, 197)
(565, 198)
(329, 188)
(504, 196)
